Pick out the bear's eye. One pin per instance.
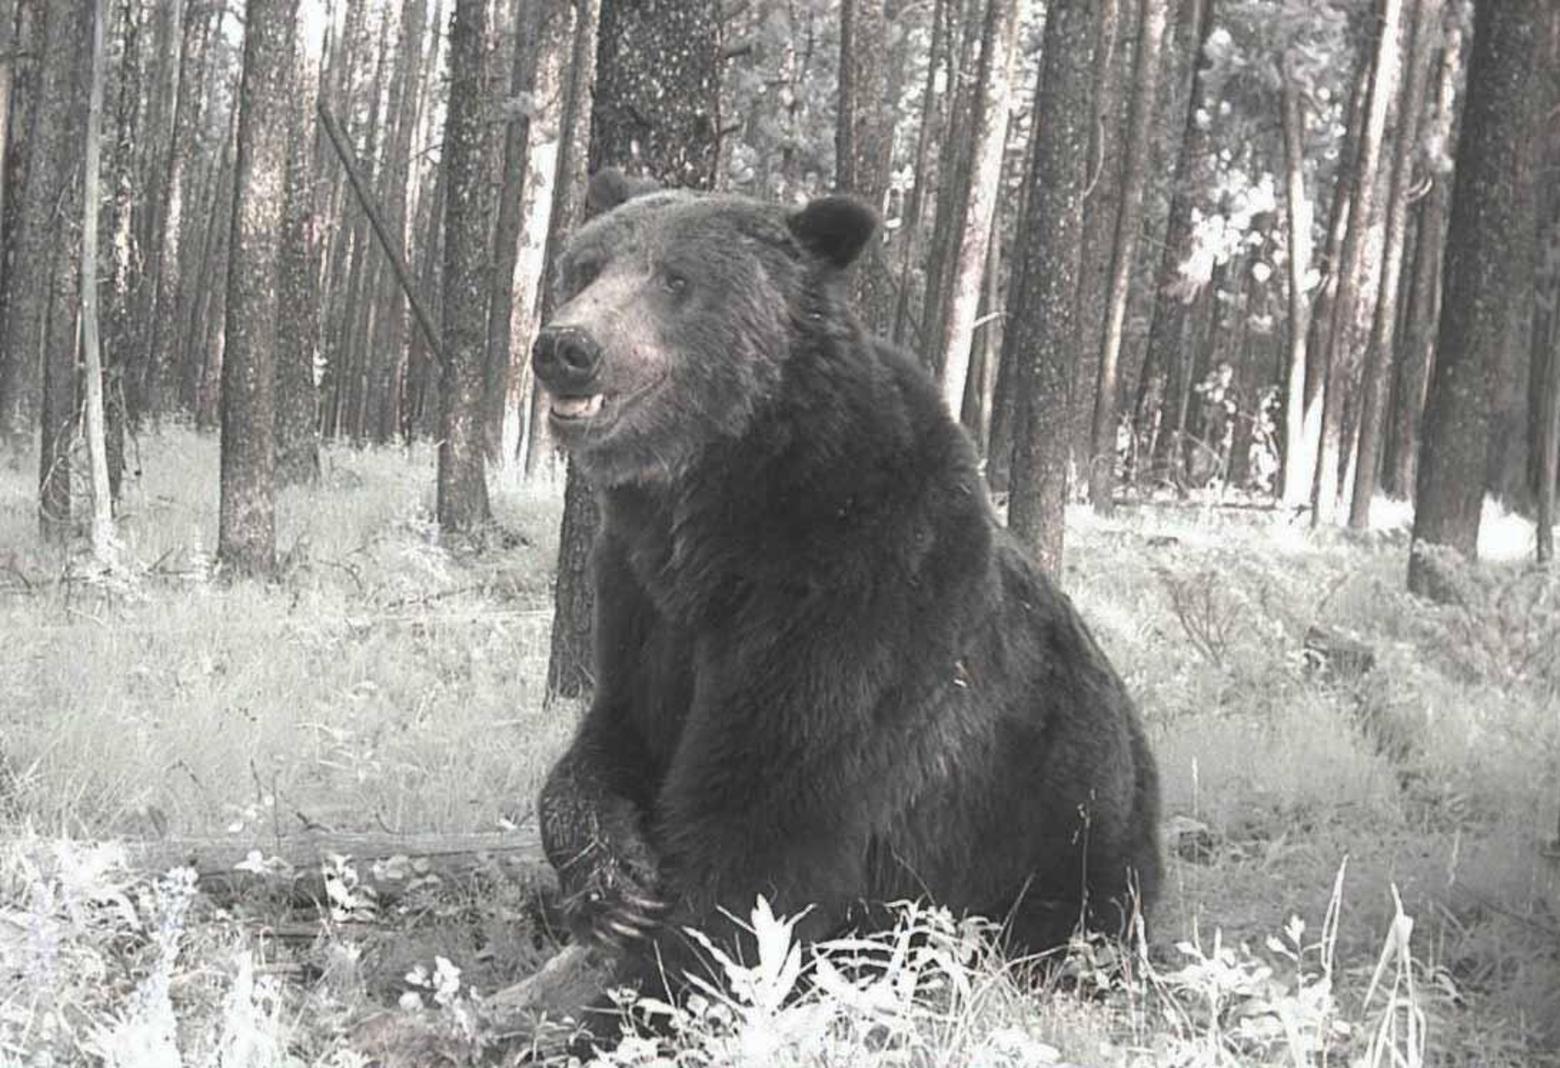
(582, 273)
(674, 283)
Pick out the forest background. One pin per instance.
(1269, 285)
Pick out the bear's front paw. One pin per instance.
(612, 896)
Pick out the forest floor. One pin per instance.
(1361, 863)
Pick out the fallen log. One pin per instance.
(339, 869)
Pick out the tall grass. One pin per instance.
(385, 680)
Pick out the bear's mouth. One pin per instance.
(573, 409)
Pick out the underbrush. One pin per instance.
(134, 971)
(1360, 797)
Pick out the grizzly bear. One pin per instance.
(824, 672)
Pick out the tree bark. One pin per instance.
(298, 322)
(1152, 20)
(1484, 228)
(68, 53)
(390, 299)
(504, 361)
(656, 113)
(1302, 421)
(1353, 307)
(909, 237)
(41, 228)
(953, 177)
(1423, 15)
(462, 482)
(976, 208)
(8, 48)
(246, 535)
(102, 523)
(174, 230)
(1045, 288)
(554, 193)
(1165, 365)
(1112, 79)
(864, 136)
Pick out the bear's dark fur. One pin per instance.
(825, 673)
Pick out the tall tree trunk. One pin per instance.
(953, 177)
(559, 151)
(656, 112)
(1353, 307)
(41, 229)
(124, 207)
(1503, 82)
(246, 525)
(502, 407)
(1174, 290)
(24, 76)
(1112, 79)
(102, 523)
(863, 140)
(391, 350)
(980, 387)
(1302, 420)
(151, 226)
(8, 48)
(298, 323)
(68, 51)
(1152, 19)
(909, 237)
(975, 209)
(177, 223)
(462, 483)
(1048, 258)
(1423, 17)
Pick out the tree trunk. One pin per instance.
(504, 361)
(150, 226)
(390, 300)
(554, 203)
(68, 52)
(24, 75)
(102, 524)
(165, 298)
(41, 228)
(1302, 420)
(1502, 85)
(124, 208)
(298, 322)
(1152, 19)
(246, 536)
(1044, 297)
(1175, 290)
(462, 482)
(1352, 304)
(910, 230)
(976, 208)
(863, 141)
(953, 178)
(655, 112)
(1112, 79)
(8, 48)
(1423, 17)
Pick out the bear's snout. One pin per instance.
(565, 359)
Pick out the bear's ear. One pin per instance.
(610, 187)
(835, 228)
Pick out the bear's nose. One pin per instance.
(565, 357)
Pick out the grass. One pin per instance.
(1357, 865)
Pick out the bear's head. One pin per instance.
(679, 314)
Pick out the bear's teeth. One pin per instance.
(576, 407)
